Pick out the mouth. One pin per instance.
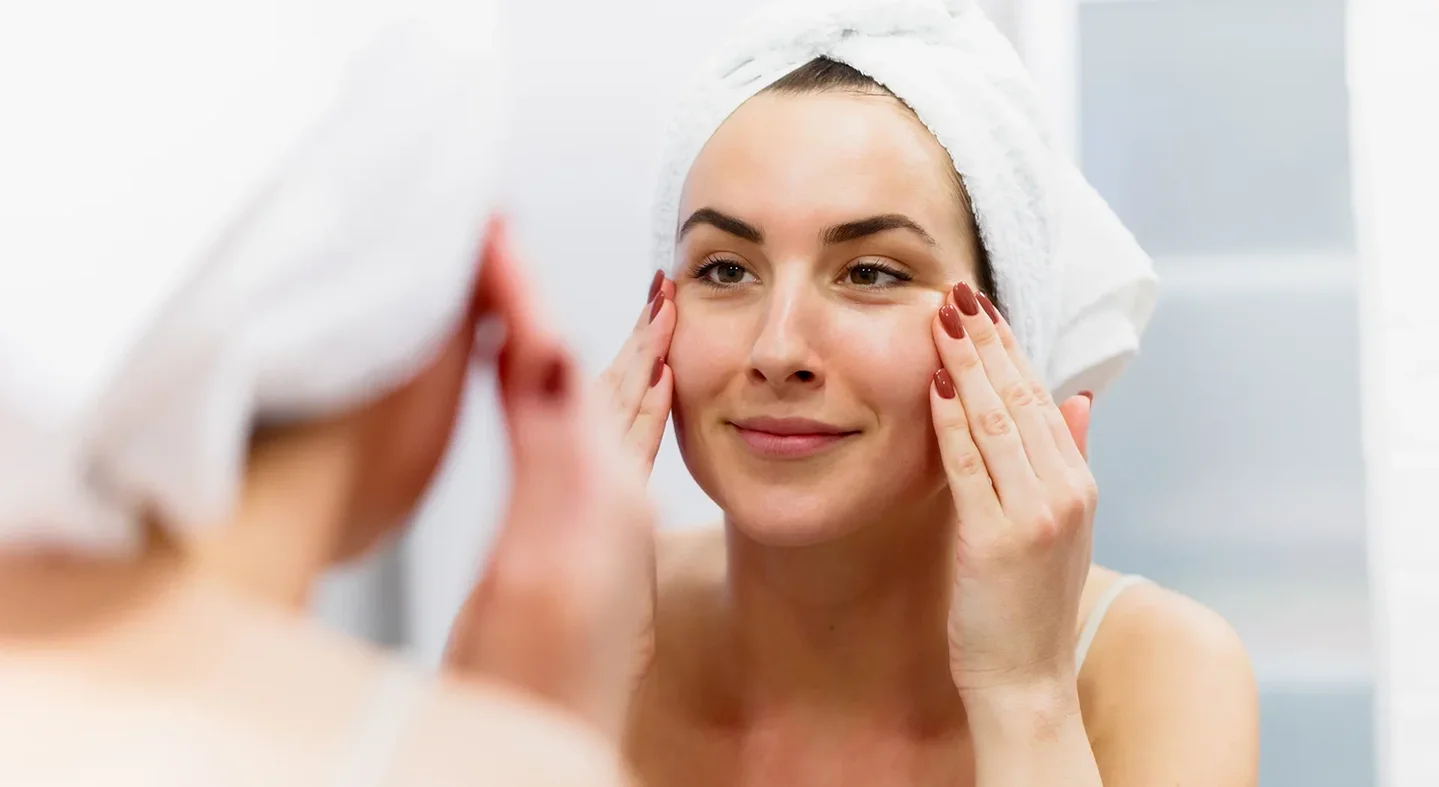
(789, 438)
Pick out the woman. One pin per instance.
(901, 590)
(192, 432)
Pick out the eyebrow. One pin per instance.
(840, 233)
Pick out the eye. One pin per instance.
(874, 275)
(723, 273)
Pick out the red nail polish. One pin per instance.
(556, 379)
(949, 318)
(1088, 395)
(658, 372)
(655, 284)
(655, 309)
(964, 299)
(943, 385)
(989, 308)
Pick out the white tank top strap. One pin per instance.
(1096, 614)
(366, 757)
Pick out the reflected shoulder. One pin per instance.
(1169, 692)
(472, 731)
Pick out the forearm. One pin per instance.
(1030, 736)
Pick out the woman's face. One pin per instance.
(820, 235)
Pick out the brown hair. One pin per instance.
(822, 75)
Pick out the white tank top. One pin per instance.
(366, 757)
(1096, 615)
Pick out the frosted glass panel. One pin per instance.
(1229, 457)
(1219, 125)
(1233, 442)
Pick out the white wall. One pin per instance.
(1394, 67)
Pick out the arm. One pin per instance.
(1031, 735)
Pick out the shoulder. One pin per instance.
(1168, 690)
(468, 730)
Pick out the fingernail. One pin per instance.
(964, 299)
(659, 371)
(556, 379)
(655, 284)
(949, 318)
(943, 384)
(1088, 395)
(989, 308)
(655, 309)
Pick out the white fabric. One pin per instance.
(219, 212)
(390, 713)
(1075, 284)
(1097, 613)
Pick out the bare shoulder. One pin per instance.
(470, 733)
(1168, 691)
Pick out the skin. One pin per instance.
(202, 645)
(901, 608)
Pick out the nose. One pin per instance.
(782, 355)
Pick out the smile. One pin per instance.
(789, 438)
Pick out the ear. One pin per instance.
(1076, 416)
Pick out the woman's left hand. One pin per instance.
(1025, 500)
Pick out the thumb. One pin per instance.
(1075, 411)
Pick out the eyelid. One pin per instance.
(882, 264)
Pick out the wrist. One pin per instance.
(1037, 708)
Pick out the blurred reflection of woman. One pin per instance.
(215, 388)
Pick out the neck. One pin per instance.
(859, 622)
(272, 550)
(294, 504)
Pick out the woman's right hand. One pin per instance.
(637, 387)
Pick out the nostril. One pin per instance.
(804, 376)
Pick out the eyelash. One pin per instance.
(701, 272)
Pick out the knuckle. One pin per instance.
(995, 423)
(1046, 526)
(967, 464)
(987, 338)
(1018, 394)
(967, 361)
(1040, 394)
(954, 426)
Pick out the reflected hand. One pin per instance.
(556, 610)
(1025, 500)
(637, 387)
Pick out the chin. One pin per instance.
(780, 517)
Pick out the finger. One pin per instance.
(969, 481)
(651, 346)
(993, 428)
(618, 380)
(1023, 397)
(1064, 442)
(654, 411)
(1075, 416)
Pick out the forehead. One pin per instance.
(823, 158)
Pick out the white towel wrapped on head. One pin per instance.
(219, 213)
(1075, 285)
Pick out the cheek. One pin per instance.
(705, 354)
(888, 359)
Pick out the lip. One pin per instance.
(789, 438)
